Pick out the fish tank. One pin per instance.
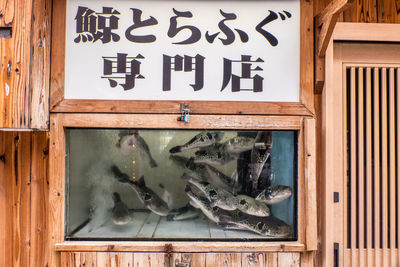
(175, 184)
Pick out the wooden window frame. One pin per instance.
(304, 107)
(306, 217)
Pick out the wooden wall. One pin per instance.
(25, 64)
(24, 156)
(23, 198)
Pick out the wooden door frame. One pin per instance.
(305, 106)
(333, 132)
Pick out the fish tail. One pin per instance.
(175, 149)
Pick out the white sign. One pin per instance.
(183, 50)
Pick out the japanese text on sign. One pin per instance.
(183, 50)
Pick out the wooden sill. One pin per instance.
(176, 246)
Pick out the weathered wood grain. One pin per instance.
(388, 11)
(361, 11)
(15, 65)
(40, 65)
(6, 183)
(288, 259)
(39, 166)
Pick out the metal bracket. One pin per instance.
(184, 113)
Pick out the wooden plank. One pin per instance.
(40, 65)
(307, 259)
(366, 32)
(14, 70)
(306, 55)
(39, 198)
(360, 164)
(376, 153)
(310, 177)
(192, 259)
(56, 189)
(353, 164)
(361, 11)
(21, 156)
(388, 11)
(272, 259)
(149, 259)
(392, 166)
(170, 121)
(159, 246)
(368, 165)
(223, 259)
(6, 222)
(326, 21)
(384, 165)
(196, 107)
(288, 259)
(255, 259)
(398, 158)
(57, 53)
(89, 259)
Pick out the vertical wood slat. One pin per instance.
(360, 165)
(353, 164)
(384, 167)
(376, 153)
(398, 158)
(392, 167)
(39, 80)
(39, 198)
(6, 248)
(15, 52)
(368, 165)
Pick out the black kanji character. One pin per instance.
(230, 35)
(271, 17)
(138, 23)
(122, 64)
(174, 30)
(187, 64)
(92, 26)
(246, 74)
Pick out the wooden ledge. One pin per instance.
(177, 246)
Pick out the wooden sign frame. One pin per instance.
(306, 184)
(304, 107)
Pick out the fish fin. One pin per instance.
(166, 196)
(140, 182)
(175, 149)
(194, 205)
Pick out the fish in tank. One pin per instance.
(164, 184)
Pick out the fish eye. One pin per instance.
(213, 193)
(242, 202)
(260, 225)
(147, 196)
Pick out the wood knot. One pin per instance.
(3, 158)
(110, 247)
(168, 250)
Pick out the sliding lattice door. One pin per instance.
(372, 199)
(361, 156)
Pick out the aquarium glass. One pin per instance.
(146, 184)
